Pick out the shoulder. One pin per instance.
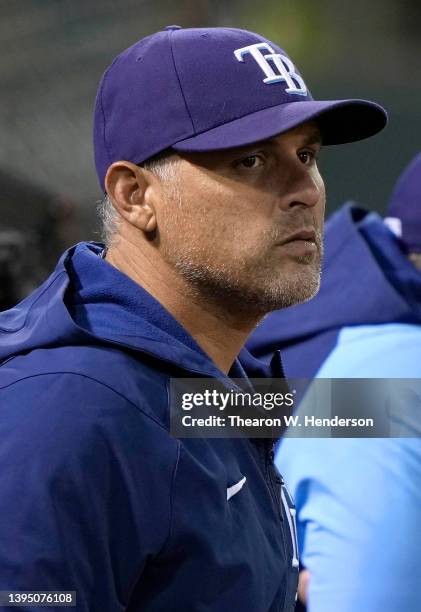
(60, 412)
(91, 375)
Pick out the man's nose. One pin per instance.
(307, 190)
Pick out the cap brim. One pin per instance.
(340, 121)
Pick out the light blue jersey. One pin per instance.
(359, 500)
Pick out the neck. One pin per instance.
(218, 330)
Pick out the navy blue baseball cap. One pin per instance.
(206, 89)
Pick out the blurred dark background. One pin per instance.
(53, 55)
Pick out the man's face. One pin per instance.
(245, 225)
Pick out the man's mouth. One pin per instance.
(305, 235)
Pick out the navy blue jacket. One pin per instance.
(95, 495)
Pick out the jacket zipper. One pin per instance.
(282, 503)
(271, 477)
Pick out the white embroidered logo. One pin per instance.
(231, 491)
(285, 68)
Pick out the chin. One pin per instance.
(287, 291)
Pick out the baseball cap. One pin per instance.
(404, 209)
(205, 89)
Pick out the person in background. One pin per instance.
(36, 225)
(358, 500)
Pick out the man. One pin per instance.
(205, 143)
(358, 506)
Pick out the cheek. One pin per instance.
(221, 215)
(240, 223)
(220, 219)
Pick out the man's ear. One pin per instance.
(128, 187)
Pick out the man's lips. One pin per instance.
(303, 236)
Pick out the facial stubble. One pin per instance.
(254, 283)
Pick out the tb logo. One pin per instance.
(285, 68)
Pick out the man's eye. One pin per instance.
(307, 157)
(252, 161)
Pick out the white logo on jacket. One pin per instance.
(231, 491)
(286, 70)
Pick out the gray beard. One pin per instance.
(249, 294)
(229, 292)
